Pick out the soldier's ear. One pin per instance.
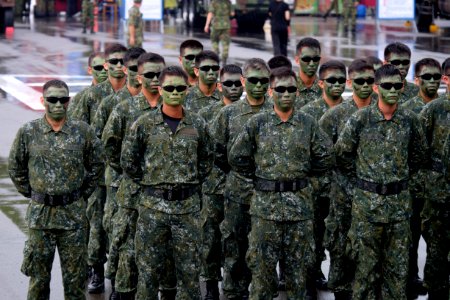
(105, 65)
(321, 84)
(417, 80)
(349, 83)
(219, 86)
(270, 91)
(139, 79)
(375, 89)
(160, 90)
(445, 79)
(196, 71)
(243, 81)
(125, 70)
(297, 59)
(42, 100)
(180, 59)
(89, 69)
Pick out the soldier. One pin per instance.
(188, 51)
(219, 14)
(205, 92)
(446, 77)
(279, 61)
(378, 149)
(230, 86)
(124, 114)
(169, 153)
(87, 15)
(56, 162)
(399, 55)
(361, 80)
(349, 14)
(374, 61)
(95, 68)
(332, 80)
(135, 25)
(238, 190)
(308, 58)
(280, 20)
(435, 214)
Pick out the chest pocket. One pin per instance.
(187, 140)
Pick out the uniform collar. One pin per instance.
(314, 87)
(46, 127)
(377, 116)
(187, 116)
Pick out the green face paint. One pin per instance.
(99, 76)
(429, 87)
(309, 68)
(56, 111)
(392, 95)
(403, 68)
(188, 65)
(174, 98)
(115, 71)
(334, 90)
(208, 77)
(284, 101)
(132, 76)
(150, 84)
(363, 91)
(258, 90)
(232, 93)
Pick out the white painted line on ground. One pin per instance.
(21, 91)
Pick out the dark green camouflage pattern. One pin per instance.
(410, 91)
(196, 100)
(75, 100)
(221, 9)
(218, 36)
(305, 94)
(414, 104)
(135, 19)
(87, 13)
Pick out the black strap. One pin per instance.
(391, 188)
(56, 200)
(175, 194)
(280, 186)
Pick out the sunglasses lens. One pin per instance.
(429, 76)
(133, 68)
(207, 68)
(388, 86)
(255, 80)
(115, 61)
(308, 59)
(361, 81)
(230, 83)
(181, 88)
(171, 88)
(398, 62)
(333, 80)
(54, 100)
(151, 75)
(283, 89)
(189, 57)
(98, 68)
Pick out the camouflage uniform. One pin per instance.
(349, 13)
(410, 91)
(75, 100)
(379, 156)
(87, 14)
(220, 27)
(272, 151)
(435, 117)
(306, 95)
(339, 218)
(135, 19)
(45, 162)
(196, 100)
(414, 104)
(45, 8)
(238, 190)
(162, 161)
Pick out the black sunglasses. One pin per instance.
(98, 68)
(308, 59)
(189, 57)
(255, 80)
(53, 100)
(361, 81)
(151, 75)
(171, 88)
(115, 61)
(333, 80)
(207, 68)
(133, 68)
(398, 62)
(283, 89)
(429, 76)
(389, 85)
(230, 83)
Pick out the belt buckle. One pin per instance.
(383, 189)
(169, 195)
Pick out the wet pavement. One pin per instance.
(39, 50)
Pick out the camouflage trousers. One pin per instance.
(221, 35)
(39, 253)
(381, 254)
(349, 15)
(156, 232)
(211, 216)
(98, 240)
(87, 14)
(271, 240)
(108, 225)
(235, 228)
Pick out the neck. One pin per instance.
(254, 101)
(330, 101)
(226, 101)
(284, 115)
(94, 81)
(307, 81)
(207, 89)
(192, 80)
(152, 98)
(386, 109)
(361, 102)
(427, 98)
(117, 83)
(56, 125)
(133, 90)
(173, 111)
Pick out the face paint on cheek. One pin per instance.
(174, 98)
(132, 79)
(56, 111)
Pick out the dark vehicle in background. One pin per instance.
(443, 9)
(6, 14)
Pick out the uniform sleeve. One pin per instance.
(418, 149)
(94, 163)
(74, 102)
(18, 164)
(427, 120)
(322, 154)
(242, 151)
(132, 153)
(101, 116)
(346, 146)
(112, 138)
(219, 132)
(81, 111)
(327, 124)
(205, 153)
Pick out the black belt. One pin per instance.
(437, 167)
(280, 186)
(172, 194)
(391, 188)
(56, 200)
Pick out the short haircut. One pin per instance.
(446, 66)
(54, 83)
(429, 62)
(373, 60)
(150, 57)
(193, 44)
(204, 55)
(230, 69)
(173, 71)
(132, 54)
(387, 70)
(360, 65)
(308, 42)
(114, 48)
(279, 61)
(94, 55)
(396, 48)
(282, 72)
(331, 65)
(255, 64)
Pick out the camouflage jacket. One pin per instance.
(381, 151)
(56, 163)
(415, 104)
(316, 109)
(75, 100)
(196, 100)
(135, 19)
(221, 9)
(226, 126)
(409, 91)
(155, 157)
(306, 95)
(271, 149)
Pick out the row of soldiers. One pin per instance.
(198, 178)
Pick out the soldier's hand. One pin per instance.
(206, 29)
(132, 41)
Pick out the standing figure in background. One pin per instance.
(280, 20)
(87, 15)
(349, 14)
(135, 25)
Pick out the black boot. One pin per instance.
(311, 292)
(97, 284)
(92, 30)
(321, 281)
(125, 296)
(343, 295)
(167, 294)
(114, 295)
(212, 290)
